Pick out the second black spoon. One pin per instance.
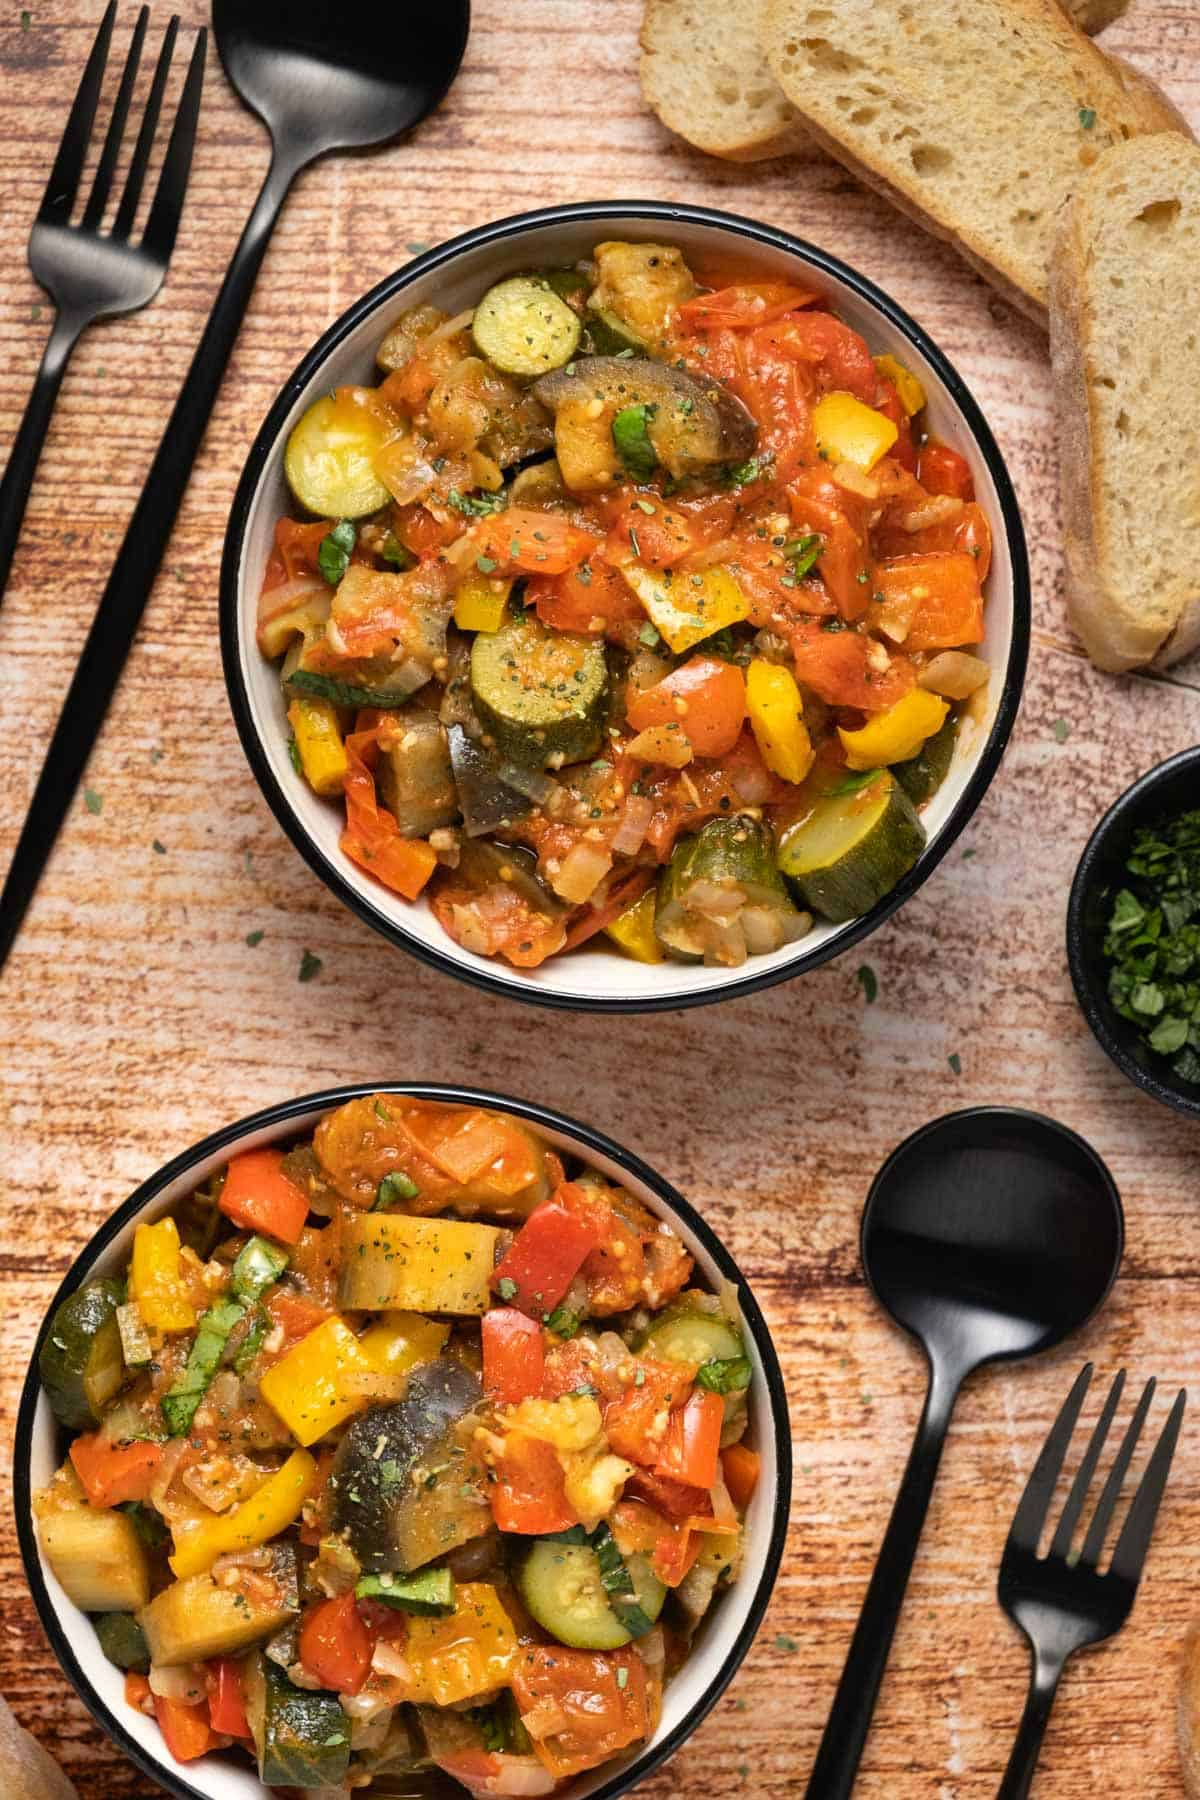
(989, 1234)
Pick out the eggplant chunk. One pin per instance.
(407, 1485)
(692, 423)
(416, 781)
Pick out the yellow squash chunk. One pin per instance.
(319, 743)
(633, 930)
(467, 1653)
(156, 1280)
(912, 394)
(480, 603)
(402, 1341)
(686, 607)
(96, 1554)
(308, 1387)
(846, 430)
(777, 719)
(895, 735)
(201, 1617)
(270, 1510)
(393, 1262)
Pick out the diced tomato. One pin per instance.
(372, 838)
(545, 1256)
(529, 1493)
(835, 666)
(498, 921)
(840, 353)
(969, 533)
(258, 1196)
(672, 1546)
(690, 1451)
(822, 509)
(621, 895)
(941, 470)
(113, 1474)
(705, 696)
(423, 532)
(335, 1645)
(294, 551)
(674, 1499)
(661, 536)
(615, 1267)
(744, 305)
(476, 1143)
(514, 1362)
(186, 1731)
(295, 1312)
(936, 597)
(226, 1698)
(741, 1467)
(739, 779)
(603, 1700)
(638, 1423)
(593, 598)
(538, 543)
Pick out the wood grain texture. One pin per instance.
(135, 1017)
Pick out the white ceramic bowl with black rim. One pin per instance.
(453, 277)
(724, 1638)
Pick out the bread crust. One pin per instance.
(1189, 1713)
(787, 138)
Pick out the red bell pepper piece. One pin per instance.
(545, 1257)
(514, 1360)
(114, 1473)
(691, 1450)
(335, 1645)
(295, 1312)
(941, 470)
(529, 1494)
(186, 1730)
(741, 1467)
(258, 1196)
(226, 1700)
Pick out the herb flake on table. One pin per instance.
(93, 801)
(310, 966)
(955, 1062)
(158, 849)
(869, 983)
(1062, 731)
(254, 938)
(1152, 942)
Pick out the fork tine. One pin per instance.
(161, 226)
(63, 184)
(1098, 1530)
(145, 139)
(98, 198)
(1086, 1471)
(1130, 1554)
(1039, 1489)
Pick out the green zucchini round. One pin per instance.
(685, 1335)
(561, 1586)
(923, 774)
(330, 461)
(540, 694)
(729, 859)
(123, 1641)
(80, 1365)
(853, 848)
(524, 328)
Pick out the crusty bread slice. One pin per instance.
(976, 116)
(1125, 345)
(704, 73)
(1093, 15)
(1189, 1714)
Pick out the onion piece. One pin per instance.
(545, 1719)
(290, 594)
(955, 674)
(630, 834)
(581, 871)
(938, 509)
(261, 1558)
(178, 1681)
(448, 328)
(660, 744)
(387, 1660)
(853, 480)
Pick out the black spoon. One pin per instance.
(322, 75)
(989, 1234)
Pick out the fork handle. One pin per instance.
(27, 446)
(850, 1716)
(1043, 1685)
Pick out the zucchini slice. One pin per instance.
(563, 1587)
(923, 774)
(484, 797)
(721, 897)
(81, 1365)
(540, 694)
(431, 1592)
(416, 779)
(524, 328)
(392, 687)
(302, 1738)
(330, 458)
(686, 1335)
(123, 1641)
(853, 848)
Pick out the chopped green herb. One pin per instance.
(1062, 731)
(1153, 942)
(562, 1322)
(478, 506)
(333, 557)
(293, 750)
(506, 1288)
(26, 19)
(783, 1642)
(728, 1376)
(393, 1187)
(92, 800)
(868, 983)
(396, 554)
(802, 553)
(631, 435)
(955, 1061)
(310, 966)
(857, 778)
(1087, 117)
(486, 565)
(417, 249)
(648, 635)
(158, 848)
(254, 938)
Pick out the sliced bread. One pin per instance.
(705, 75)
(977, 117)
(1093, 15)
(1125, 346)
(1189, 1714)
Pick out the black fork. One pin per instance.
(1061, 1601)
(89, 273)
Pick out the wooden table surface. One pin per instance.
(135, 1016)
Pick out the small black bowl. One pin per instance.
(1171, 788)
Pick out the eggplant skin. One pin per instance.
(371, 1477)
(697, 423)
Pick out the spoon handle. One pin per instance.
(124, 599)
(854, 1703)
(1044, 1678)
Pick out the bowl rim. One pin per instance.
(499, 231)
(273, 1118)
(1089, 990)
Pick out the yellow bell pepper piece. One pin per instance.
(633, 930)
(270, 1510)
(307, 1387)
(469, 1652)
(848, 431)
(912, 394)
(480, 603)
(319, 744)
(686, 607)
(895, 735)
(156, 1280)
(777, 719)
(402, 1341)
